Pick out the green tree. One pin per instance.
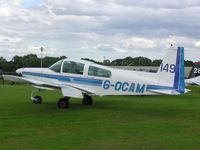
(117, 62)
(141, 61)
(2, 62)
(156, 62)
(189, 63)
(48, 61)
(30, 60)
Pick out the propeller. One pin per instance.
(1, 78)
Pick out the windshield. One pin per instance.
(57, 66)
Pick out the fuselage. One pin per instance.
(99, 79)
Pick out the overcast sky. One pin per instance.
(98, 28)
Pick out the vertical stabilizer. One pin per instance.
(171, 71)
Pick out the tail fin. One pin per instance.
(195, 72)
(171, 71)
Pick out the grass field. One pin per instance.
(118, 122)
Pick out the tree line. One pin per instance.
(141, 61)
(31, 60)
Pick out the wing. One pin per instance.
(67, 89)
(18, 79)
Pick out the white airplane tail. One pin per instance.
(171, 71)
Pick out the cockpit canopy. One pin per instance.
(74, 67)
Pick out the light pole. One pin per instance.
(41, 55)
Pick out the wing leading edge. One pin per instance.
(67, 90)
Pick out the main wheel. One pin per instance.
(87, 100)
(63, 103)
(37, 100)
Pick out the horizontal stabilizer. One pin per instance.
(187, 90)
(167, 92)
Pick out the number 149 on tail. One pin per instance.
(167, 68)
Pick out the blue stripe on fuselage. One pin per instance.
(158, 87)
(86, 81)
(78, 80)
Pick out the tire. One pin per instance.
(87, 100)
(63, 103)
(38, 100)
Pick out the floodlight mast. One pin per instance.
(41, 56)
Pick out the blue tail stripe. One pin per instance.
(179, 84)
(181, 80)
(176, 78)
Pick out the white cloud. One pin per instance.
(9, 40)
(89, 28)
(57, 2)
(197, 44)
(137, 43)
(160, 4)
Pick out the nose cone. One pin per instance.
(19, 71)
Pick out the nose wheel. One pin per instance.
(87, 100)
(37, 99)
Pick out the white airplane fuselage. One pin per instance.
(121, 82)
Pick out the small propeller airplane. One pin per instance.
(84, 79)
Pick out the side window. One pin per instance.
(99, 72)
(56, 67)
(73, 67)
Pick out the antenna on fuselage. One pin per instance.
(42, 49)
